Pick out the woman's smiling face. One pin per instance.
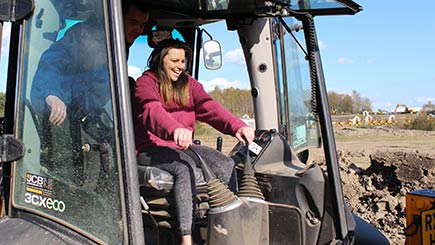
(174, 63)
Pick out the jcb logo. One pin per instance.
(44, 202)
(39, 181)
(35, 179)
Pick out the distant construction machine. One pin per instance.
(403, 109)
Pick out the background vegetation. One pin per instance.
(237, 101)
(422, 121)
(2, 104)
(348, 104)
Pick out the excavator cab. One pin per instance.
(77, 182)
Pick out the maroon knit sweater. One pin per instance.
(154, 122)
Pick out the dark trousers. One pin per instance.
(182, 165)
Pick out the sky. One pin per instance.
(4, 55)
(385, 53)
(233, 72)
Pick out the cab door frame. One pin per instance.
(123, 114)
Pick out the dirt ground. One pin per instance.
(379, 166)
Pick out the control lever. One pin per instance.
(219, 141)
(105, 153)
(249, 185)
(208, 174)
(248, 169)
(219, 194)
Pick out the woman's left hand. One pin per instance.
(245, 133)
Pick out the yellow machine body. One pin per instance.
(420, 217)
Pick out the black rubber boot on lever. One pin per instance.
(249, 185)
(219, 194)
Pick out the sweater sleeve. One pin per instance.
(53, 68)
(154, 116)
(212, 112)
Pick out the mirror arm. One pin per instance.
(206, 32)
(198, 47)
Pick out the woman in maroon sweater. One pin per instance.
(166, 103)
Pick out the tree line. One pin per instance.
(348, 103)
(237, 101)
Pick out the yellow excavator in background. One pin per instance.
(402, 109)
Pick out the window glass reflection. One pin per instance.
(69, 172)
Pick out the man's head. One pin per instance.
(135, 19)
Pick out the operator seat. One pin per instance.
(153, 177)
(156, 189)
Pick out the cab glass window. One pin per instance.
(314, 4)
(281, 88)
(5, 31)
(303, 124)
(70, 170)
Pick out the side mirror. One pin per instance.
(212, 54)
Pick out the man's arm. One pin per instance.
(49, 89)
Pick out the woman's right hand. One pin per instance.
(183, 137)
(58, 109)
(245, 134)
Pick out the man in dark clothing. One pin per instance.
(67, 67)
(71, 93)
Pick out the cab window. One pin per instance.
(302, 121)
(70, 170)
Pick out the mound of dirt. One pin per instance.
(377, 175)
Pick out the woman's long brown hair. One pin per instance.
(170, 92)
